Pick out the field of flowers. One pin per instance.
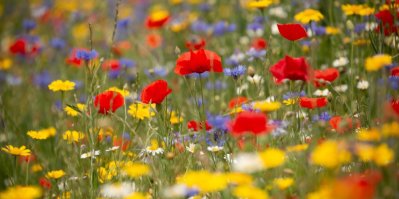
(247, 99)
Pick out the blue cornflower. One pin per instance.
(127, 63)
(42, 79)
(255, 54)
(291, 95)
(199, 26)
(123, 23)
(86, 54)
(29, 24)
(222, 27)
(324, 116)
(218, 121)
(198, 75)
(235, 72)
(235, 59)
(156, 72)
(57, 43)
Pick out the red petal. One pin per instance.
(292, 32)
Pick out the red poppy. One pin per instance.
(112, 64)
(73, 60)
(155, 92)
(27, 159)
(259, 44)
(45, 183)
(249, 122)
(108, 101)
(311, 103)
(120, 47)
(395, 71)
(19, 47)
(340, 125)
(195, 43)
(290, 68)
(326, 75)
(387, 22)
(198, 61)
(238, 101)
(356, 186)
(195, 126)
(123, 145)
(153, 22)
(395, 106)
(292, 32)
(154, 40)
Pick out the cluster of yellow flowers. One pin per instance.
(361, 10)
(59, 85)
(42, 134)
(141, 111)
(73, 136)
(72, 111)
(376, 62)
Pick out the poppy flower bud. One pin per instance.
(251, 71)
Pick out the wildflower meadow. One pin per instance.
(199, 99)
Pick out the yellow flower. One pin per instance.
(249, 192)
(365, 152)
(60, 85)
(330, 154)
(368, 135)
(290, 101)
(125, 11)
(5, 64)
(323, 193)
(204, 181)
(309, 15)
(123, 92)
(42, 134)
(105, 175)
(21, 192)
(141, 111)
(362, 10)
(283, 183)
(259, 3)
(236, 110)
(72, 111)
(332, 30)
(175, 119)
(80, 31)
(158, 13)
(236, 178)
(390, 129)
(272, 158)
(73, 136)
(377, 62)
(175, 2)
(267, 106)
(21, 151)
(383, 155)
(136, 195)
(136, 170)
(298, 147)
(36, 168)
(55, 174)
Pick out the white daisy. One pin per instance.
(117, 190)
(214, 148)
(363, 85)
(247, 163)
